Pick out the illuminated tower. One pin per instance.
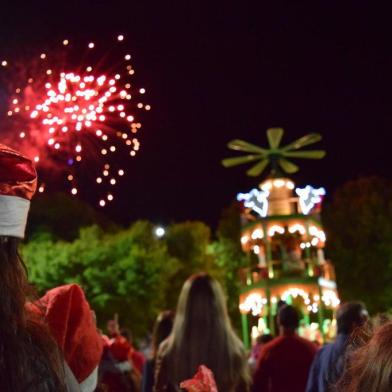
(284, 238)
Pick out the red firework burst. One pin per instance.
(78, 117)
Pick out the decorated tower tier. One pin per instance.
(284, 238)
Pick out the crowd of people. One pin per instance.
(53, 344)
(200, 333)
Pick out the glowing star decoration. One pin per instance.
(309, 197)
(78, 119)
(256, 200)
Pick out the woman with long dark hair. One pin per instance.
(202, 335)
(29, 357)
(33, 355)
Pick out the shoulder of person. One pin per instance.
(325, 349)
(269, 348)
(310, 345)
(273, 343)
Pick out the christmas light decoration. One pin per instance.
(253, 303)
(309, 197)
(256, 200)
(257, 234)
(297, 227)
(244, 239)
(275, 229)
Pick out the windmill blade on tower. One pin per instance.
(310, 154)
(257, 169)
(242, 145)
(303, 141)
(274, 136)
(288, 166)
(229, 162)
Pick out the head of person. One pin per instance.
(370, 366)
(264, 339)
(162, 329)
(202, 334)
(20, 331)
(350, 316)
(113, 328)
(280, 304)
(288, 319)
(127, 334)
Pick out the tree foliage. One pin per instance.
(188, 242)
(130, 271)
(127, 272)
(229, 257)
(359, 229)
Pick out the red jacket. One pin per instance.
(284, 365)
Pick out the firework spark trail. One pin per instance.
(69, 117)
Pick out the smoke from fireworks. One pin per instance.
(77, 118)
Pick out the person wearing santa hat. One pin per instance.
(121, 365)
(46, 345)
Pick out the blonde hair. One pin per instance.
(202, 334)
(369, 367)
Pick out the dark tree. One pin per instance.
(230, 257)
(62, 216)
(358, 221)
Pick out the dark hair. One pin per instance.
(202, 334)
(263, 339)
(25, 342)
(288, 317)
(162, 329)
(369, 367)
(349, 316)
(280, 304)
(127, 334)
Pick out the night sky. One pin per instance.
(215, 71)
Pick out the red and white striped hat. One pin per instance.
(18, 182)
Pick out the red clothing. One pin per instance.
(122, 350)
(138, 360)
(119, 350)
(105, 340)
(284, 365)
(68, 316)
